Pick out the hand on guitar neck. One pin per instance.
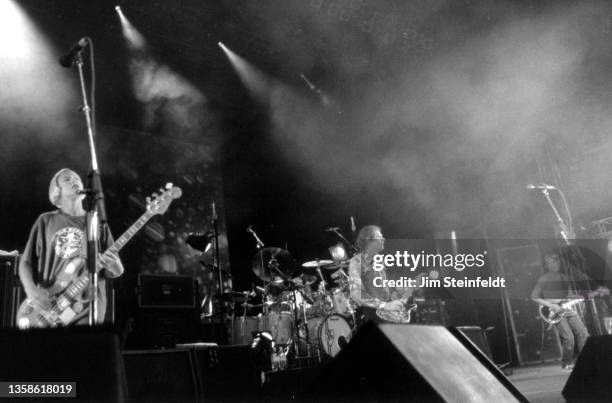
(111, 262)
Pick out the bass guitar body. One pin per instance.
(68, 296)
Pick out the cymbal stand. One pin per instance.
(350, 244)
(264, 309)
(350, 301)
(328, 294)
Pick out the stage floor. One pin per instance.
(541, 383)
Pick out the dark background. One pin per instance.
(432, 117)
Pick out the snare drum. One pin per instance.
(243, 329)
(280, 326)
(329, 333)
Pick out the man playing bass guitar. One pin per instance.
(552, 289)
(57, 240)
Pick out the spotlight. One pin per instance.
(118, 9)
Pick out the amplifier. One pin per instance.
(166, 291)
(10, 290)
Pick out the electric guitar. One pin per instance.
(551, 317)
(68, 301)
(403, 316)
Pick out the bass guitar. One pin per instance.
(68, 302)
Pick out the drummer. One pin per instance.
(370, 242)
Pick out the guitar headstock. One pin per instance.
(160, 202)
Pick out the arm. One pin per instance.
(356, 286)
(27, 262)
(110, 261)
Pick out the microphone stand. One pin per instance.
(215, 223)
(95, 208)
(564, 231)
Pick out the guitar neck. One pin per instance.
(130, 232)
(571, 303)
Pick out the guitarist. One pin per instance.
(58, 237)
(370, 242)
(552, 288)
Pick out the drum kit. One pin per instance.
(305, 308)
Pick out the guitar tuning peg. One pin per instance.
(161, 190)
(169, 185)
(148, 199)
(154, 195)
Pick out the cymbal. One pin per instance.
(271, 262)
(316, 263)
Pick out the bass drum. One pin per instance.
(280, 326)
(330, 333)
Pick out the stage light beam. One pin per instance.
(31, 77)
(134, 39)
(254, 79)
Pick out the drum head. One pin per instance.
(334, 333)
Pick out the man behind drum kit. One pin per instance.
(370, 242)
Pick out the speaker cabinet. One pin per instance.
(225, 373)
(409, 363)
(89, 357)
(160, 376)
(590, 379)
(10, 291)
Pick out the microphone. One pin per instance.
(353, 226)
(331, 229)
(68, 59)
(259, 242)
(543, 186)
